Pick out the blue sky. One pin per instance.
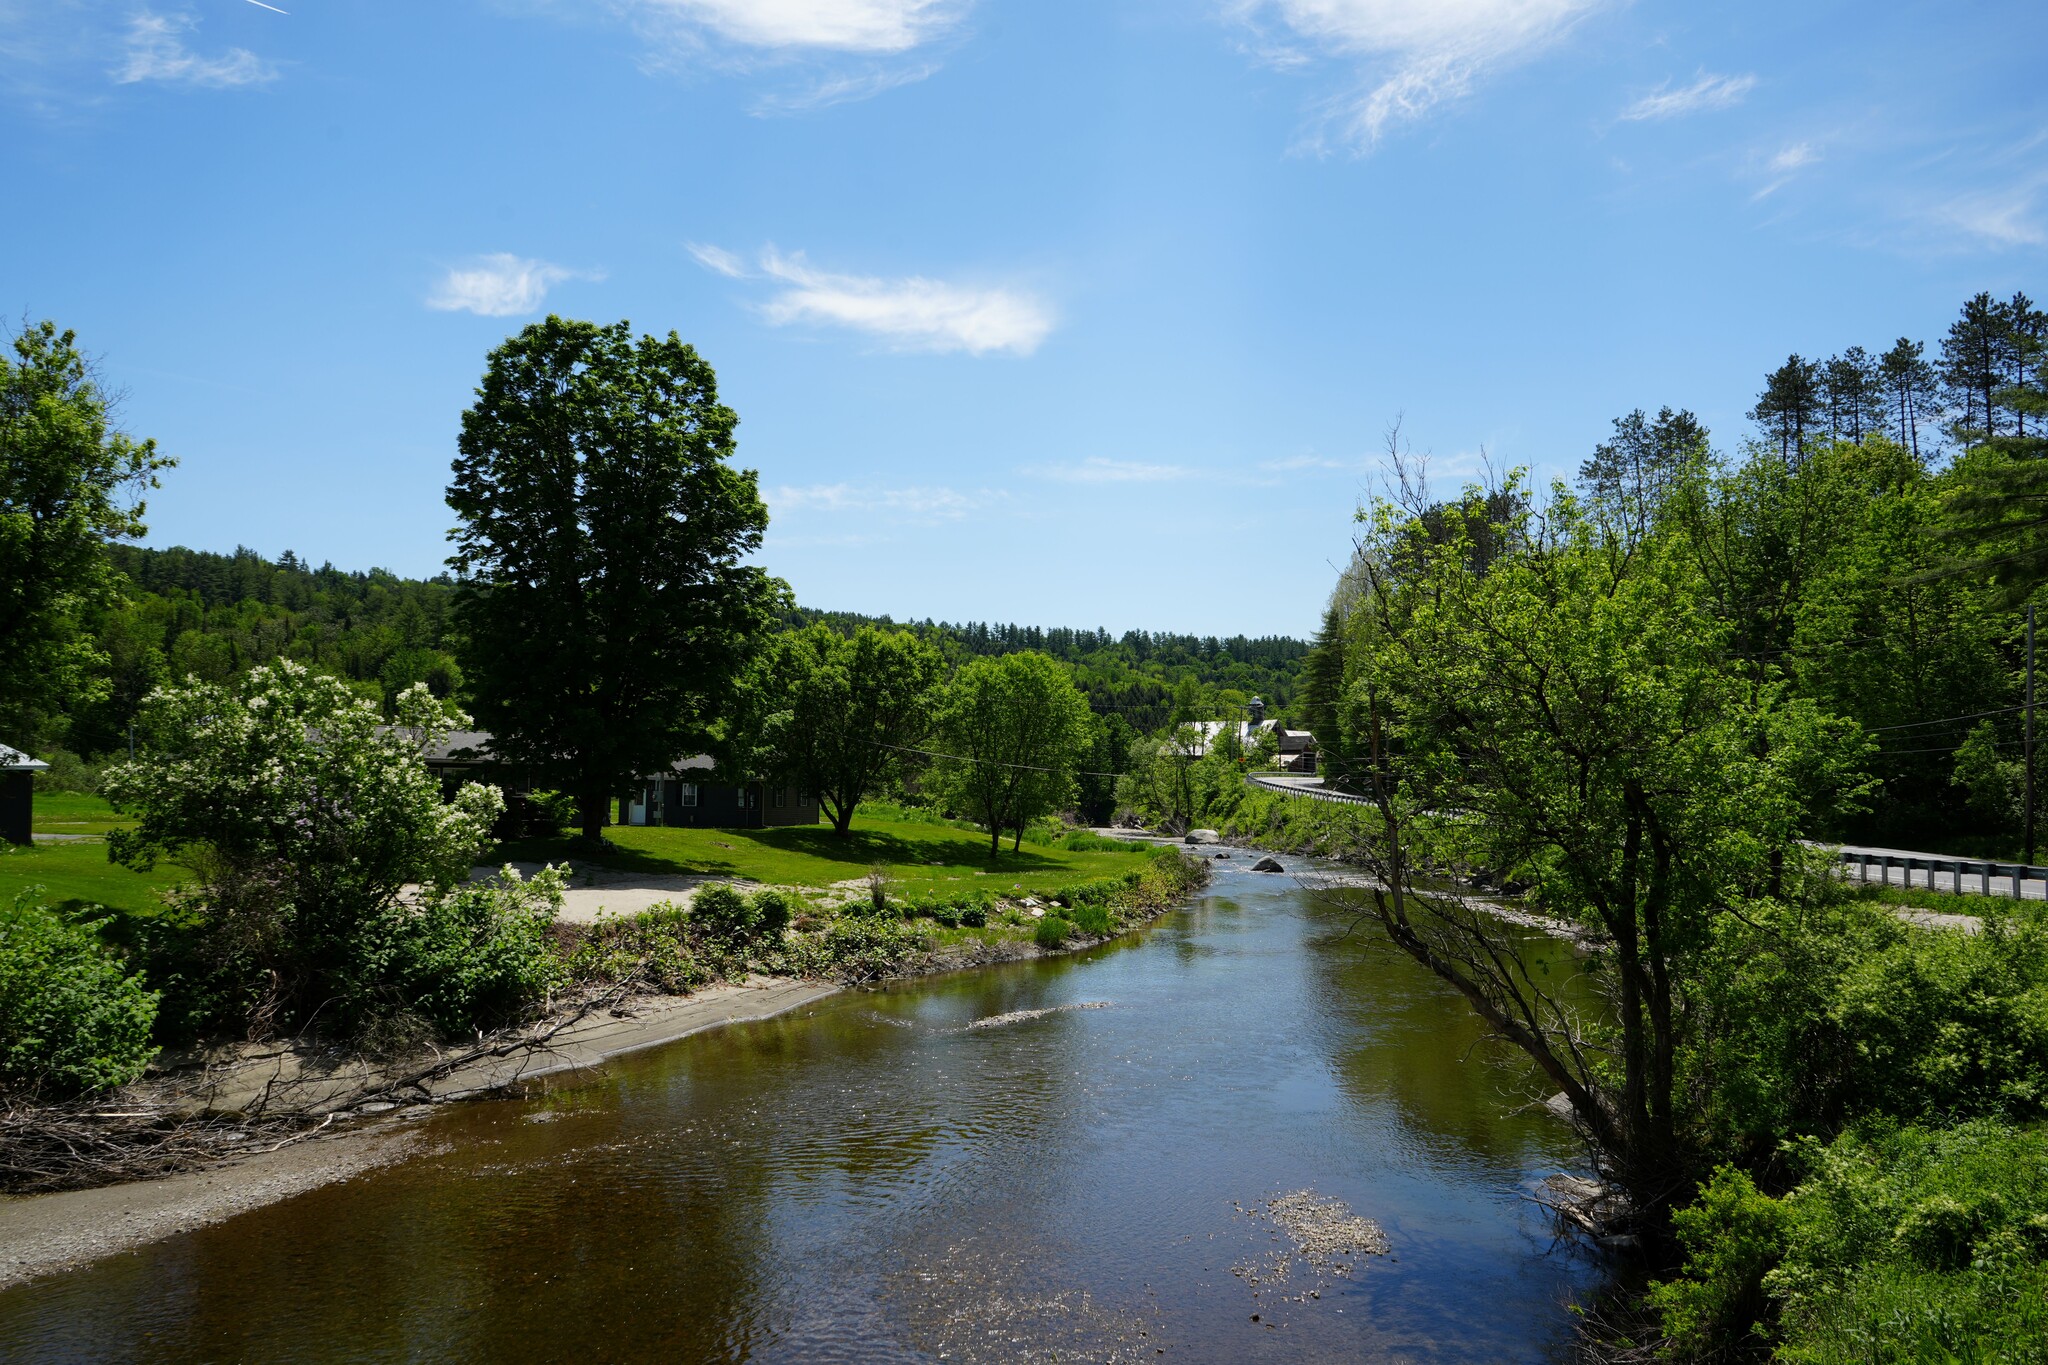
(1063, 312)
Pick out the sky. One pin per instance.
(1063, 312)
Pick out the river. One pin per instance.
(869, 1179)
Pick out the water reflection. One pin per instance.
(872, 1180)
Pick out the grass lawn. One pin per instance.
(73, 813)
(79, 873)
(919, 857)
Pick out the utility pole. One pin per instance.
(2030, 736)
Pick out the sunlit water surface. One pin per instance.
(870, 1180)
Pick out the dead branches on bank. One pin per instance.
(47, 1147)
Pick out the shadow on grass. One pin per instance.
(856, 851)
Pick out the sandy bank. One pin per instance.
(43, 1233)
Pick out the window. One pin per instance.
(779, 797)
(753, 798)
(803, 796)
(689, 793)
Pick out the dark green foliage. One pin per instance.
(1091, 919)
(724, 913)
(69, 482)
(72, 1019)
(772, 913)
(1139, 675)
(1898, 1245)
(477, 958)
(841, 716)
(1812, 1017)
(605, 606)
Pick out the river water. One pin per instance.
(870, 1179)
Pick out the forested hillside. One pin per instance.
(215, 615)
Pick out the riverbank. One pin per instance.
(363, 1105)
(43, 1233)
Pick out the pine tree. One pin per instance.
(1976, 361)
(1911, 389)
(1788, 407)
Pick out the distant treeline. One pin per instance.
(217, 615)
(1148, 678)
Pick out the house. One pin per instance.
(1293, 750)
(17, 795)
(689, 794)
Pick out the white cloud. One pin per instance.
(1417, 54)
(875, 26)
(156, 52)
(501, 285)
(915, 503)
(1296, 463)
(910, 313)
(1785, 163)
(2005, 217)
(1792, 158)
(718, 259)
(1708, 92)
(1095, 469)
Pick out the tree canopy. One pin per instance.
(605, 610)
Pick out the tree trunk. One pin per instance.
(842, 820)
(590, 809)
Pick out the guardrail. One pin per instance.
(1985, 873)
(1286, 788)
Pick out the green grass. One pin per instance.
(78, 874)
(1946, 902)
(75, 813)
(919, 856)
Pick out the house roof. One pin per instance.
(460, 748)
(15, 761)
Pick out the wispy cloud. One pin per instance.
(1785, 163)
(913, 503)
(1296, 463)
(874, 26)
(842, 89)
(1095, 469)
(500, 285)
(718, 259)
(1706, 93)
(156, 51)
(2005, 217)
(1411, 55)
(909, 313)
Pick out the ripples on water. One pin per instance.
(872, 1179)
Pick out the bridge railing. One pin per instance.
(1271, 783)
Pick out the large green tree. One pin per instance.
(69, 483)
(840, 715)
(1013, 730)
(1565, 716)
(607, 609)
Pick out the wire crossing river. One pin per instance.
(1253, 1132)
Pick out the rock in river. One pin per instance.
(1268, 865)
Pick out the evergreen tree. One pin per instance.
(1854, 393)
(1912, 390)
(1976, 361)
(1788, 407)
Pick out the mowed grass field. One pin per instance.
(77, 873)
(918, 857)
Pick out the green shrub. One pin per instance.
(773, 911)
(974, 914)
(71, 1020)
(1052, 931)
(1092, 919)
(1900, 1244)
(723, 913)
(854, 950)
(482, 955)
(653, 946)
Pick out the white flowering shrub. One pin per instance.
(306, 817)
